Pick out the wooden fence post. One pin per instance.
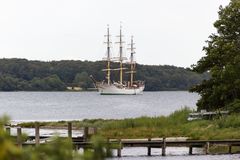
(37, 134)
(149, 148)
(207, 148)
(190, 150)
(119, 154)
(108, 150)
(230, 149)
(8, 130)
(70, 130)
(19, 137)
(164, 147)
(85, 133)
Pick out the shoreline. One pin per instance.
(173, 125)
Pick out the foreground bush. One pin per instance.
(57, 149)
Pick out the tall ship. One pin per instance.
(119, 87)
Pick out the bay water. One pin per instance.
(52, 106)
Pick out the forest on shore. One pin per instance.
(25, 75)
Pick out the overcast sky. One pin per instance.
(170, 32)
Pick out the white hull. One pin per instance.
(105, 89)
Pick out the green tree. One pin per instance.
(82, 80)
(222, 60)
(8, 83)
(50, 83)
(54, 83)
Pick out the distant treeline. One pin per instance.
(25, 75)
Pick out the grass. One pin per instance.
(174, 125)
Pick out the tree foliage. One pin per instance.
(21, 74)
(222, 60)
(82, 80)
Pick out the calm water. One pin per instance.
(182, 157)
(173, 153)
(80, 105)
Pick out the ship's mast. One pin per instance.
(121, 55)
(121, 58)
(132, 62)
(108, 58)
